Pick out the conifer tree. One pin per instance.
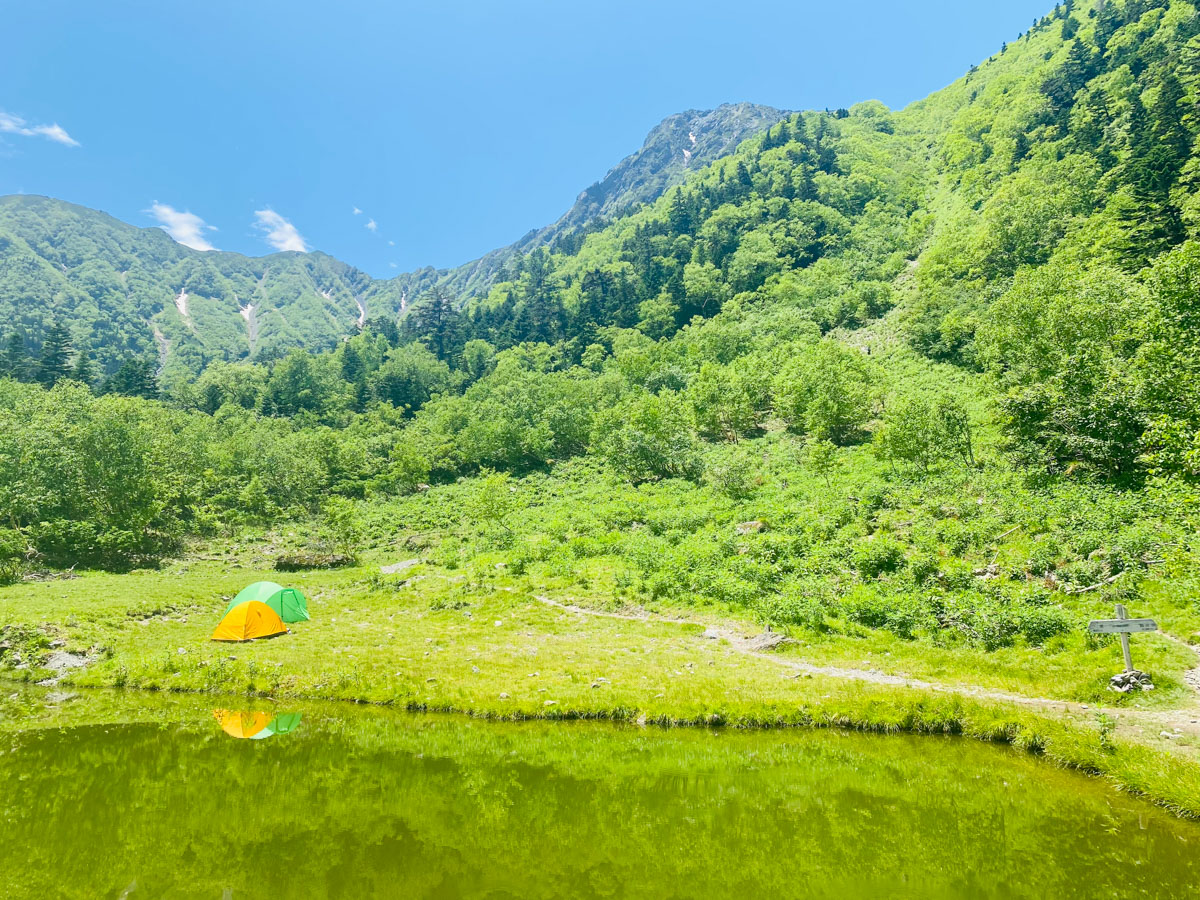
(679, 217)
(1167, 116)
(54, 364)
(84, 370)
(385, 326)
(16, 363)
(742, 175)
(352, 364)
(1152, 224)
(135, 378)
(434, 320)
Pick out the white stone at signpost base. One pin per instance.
(1125, 626)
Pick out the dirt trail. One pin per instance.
(1185, 720)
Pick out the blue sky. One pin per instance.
(451, 127)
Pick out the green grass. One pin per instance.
(464, 630)
(475, 641)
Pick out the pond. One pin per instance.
(145, 797)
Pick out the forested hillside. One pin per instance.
(931, 372)
(127, 293)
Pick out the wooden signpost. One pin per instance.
(1124, 626)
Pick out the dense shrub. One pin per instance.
(879, 556)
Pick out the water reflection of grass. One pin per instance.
(369, 802)
(485, 647)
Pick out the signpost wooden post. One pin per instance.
(1124, 626)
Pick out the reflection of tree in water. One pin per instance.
(373, 804)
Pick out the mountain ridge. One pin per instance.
(313, 299)
(678, 145)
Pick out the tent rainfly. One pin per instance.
(289, 604)
(249, 621)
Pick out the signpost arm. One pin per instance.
(1125, 639)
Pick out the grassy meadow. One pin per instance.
(567, 594)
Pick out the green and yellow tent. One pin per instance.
(249, 621)
(289, 604)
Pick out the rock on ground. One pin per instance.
(768, 640)
(1128, 681)
(61, 661)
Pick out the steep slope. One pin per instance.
(676, 147)
(1039, 220)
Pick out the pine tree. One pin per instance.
(135, 378)
(434, 320)
(352, 364)
(787, 186)
(1151, 222)
(1021, 150)
(679, 216)
(1061, 87)
(1167, 118)
(362, 394)
(84, 370)
(742, 175)
(387, 328)
(799, 129)
(827, 161)
(1108, 20)
(54, 364)
(1089, 131)
(16, 363)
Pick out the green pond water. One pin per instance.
(104, 796)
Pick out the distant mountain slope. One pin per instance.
(128, 290)
(123, 289)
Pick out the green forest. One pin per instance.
(932, 374)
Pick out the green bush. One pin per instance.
(649, 437)
(12, 555)
(878, 556)
(793, 607)
(902, 614)
(1044, 555)
(923, 568)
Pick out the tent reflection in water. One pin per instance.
(249, 621)
(289, 604)
(255, 725)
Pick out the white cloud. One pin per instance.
(10, 124)
(372, 226)
(280, 233)
(357, 211)
(185, 227)
(391, 243)
(393, 265)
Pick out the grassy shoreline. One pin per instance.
(485, 648)
(1162, 778)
